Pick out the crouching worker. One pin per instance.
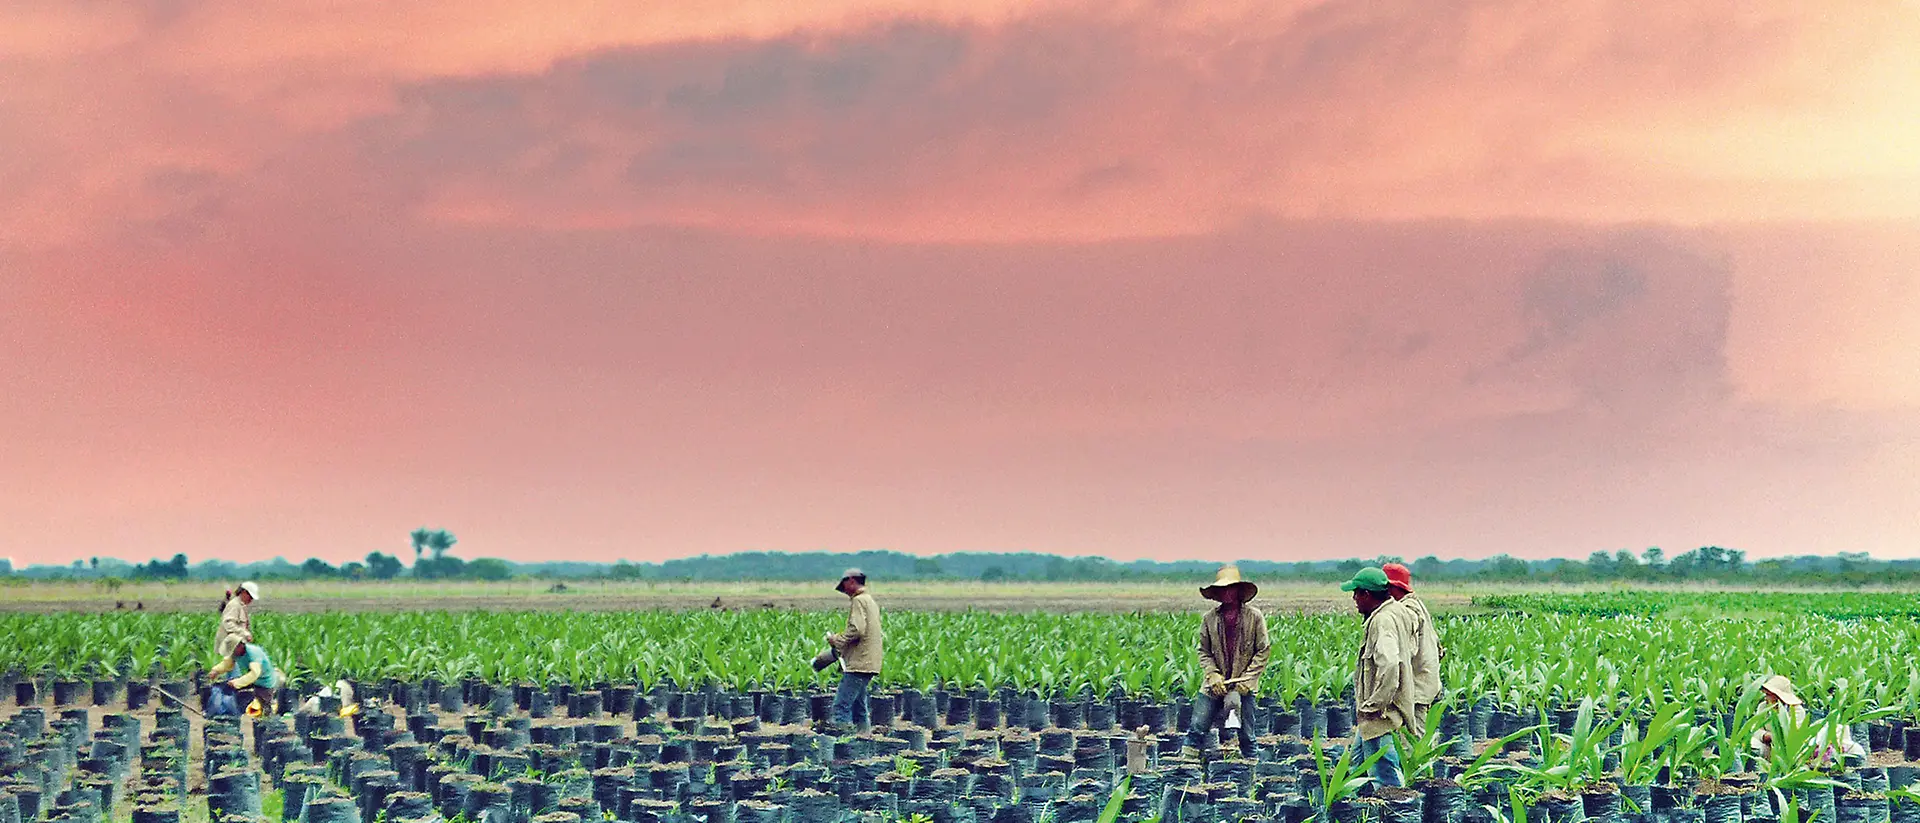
(1233, 652)
(241, 680)
(1780, 699)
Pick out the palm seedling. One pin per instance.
(1570, 762)
(1421, 748)
(1340, 780)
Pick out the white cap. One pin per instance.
(251, 588)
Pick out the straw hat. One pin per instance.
(1779, 686)
(1229, 576)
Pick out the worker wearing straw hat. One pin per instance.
(859, 651)
(1426, 650)
(1778, 693)
(1233, 653)
(1383, 673)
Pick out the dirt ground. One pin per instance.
(1275, 598)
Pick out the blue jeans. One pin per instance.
(1206, 708)
(850, 701)
(1386, 770)
(226, 701)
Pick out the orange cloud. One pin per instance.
(965, 122)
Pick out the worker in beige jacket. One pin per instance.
(859, 649)
(236, 620)
(1426, 651)
(1233, 653)
(1383, 673)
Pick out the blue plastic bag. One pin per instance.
(222, 703)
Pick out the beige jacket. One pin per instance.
(860, 646)
(236, 626)
(1426, 653)
(1383, 673)
(1247, 658)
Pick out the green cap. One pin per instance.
(1372, 579)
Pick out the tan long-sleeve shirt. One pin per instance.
(1244, 657)
(1383, 672)
(1426, 652)
(860, 645)
(236, 626)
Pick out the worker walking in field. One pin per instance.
(236, 621)
(1233, 653)
(1778, 693)
(1426, 652)
(241, 678)
(1383, 687)
(859, 650)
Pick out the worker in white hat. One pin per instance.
(236, 624)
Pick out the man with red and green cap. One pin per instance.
(1383, 673)
(1426, 652)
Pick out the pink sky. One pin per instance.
(1277, 280)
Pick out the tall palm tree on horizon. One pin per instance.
(420, 537)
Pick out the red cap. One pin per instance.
(1398, 576)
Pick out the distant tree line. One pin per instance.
(433, 561)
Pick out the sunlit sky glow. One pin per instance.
(1282, 280)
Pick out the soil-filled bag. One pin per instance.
(882, 709)
(1855, 807)
(986, 714)
(234, 791)
(1904, 810)
(1100, 716)
(67, 692)
(409, 805)
(453, 699)
(1816, 801)
(1339, 722)
(1445, 802)
(332, 809)
(165, 812)
(1154, 717)
(1400, 805)
(582, 806)
(1720, 808)
(1601, 803)
(758, 811)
